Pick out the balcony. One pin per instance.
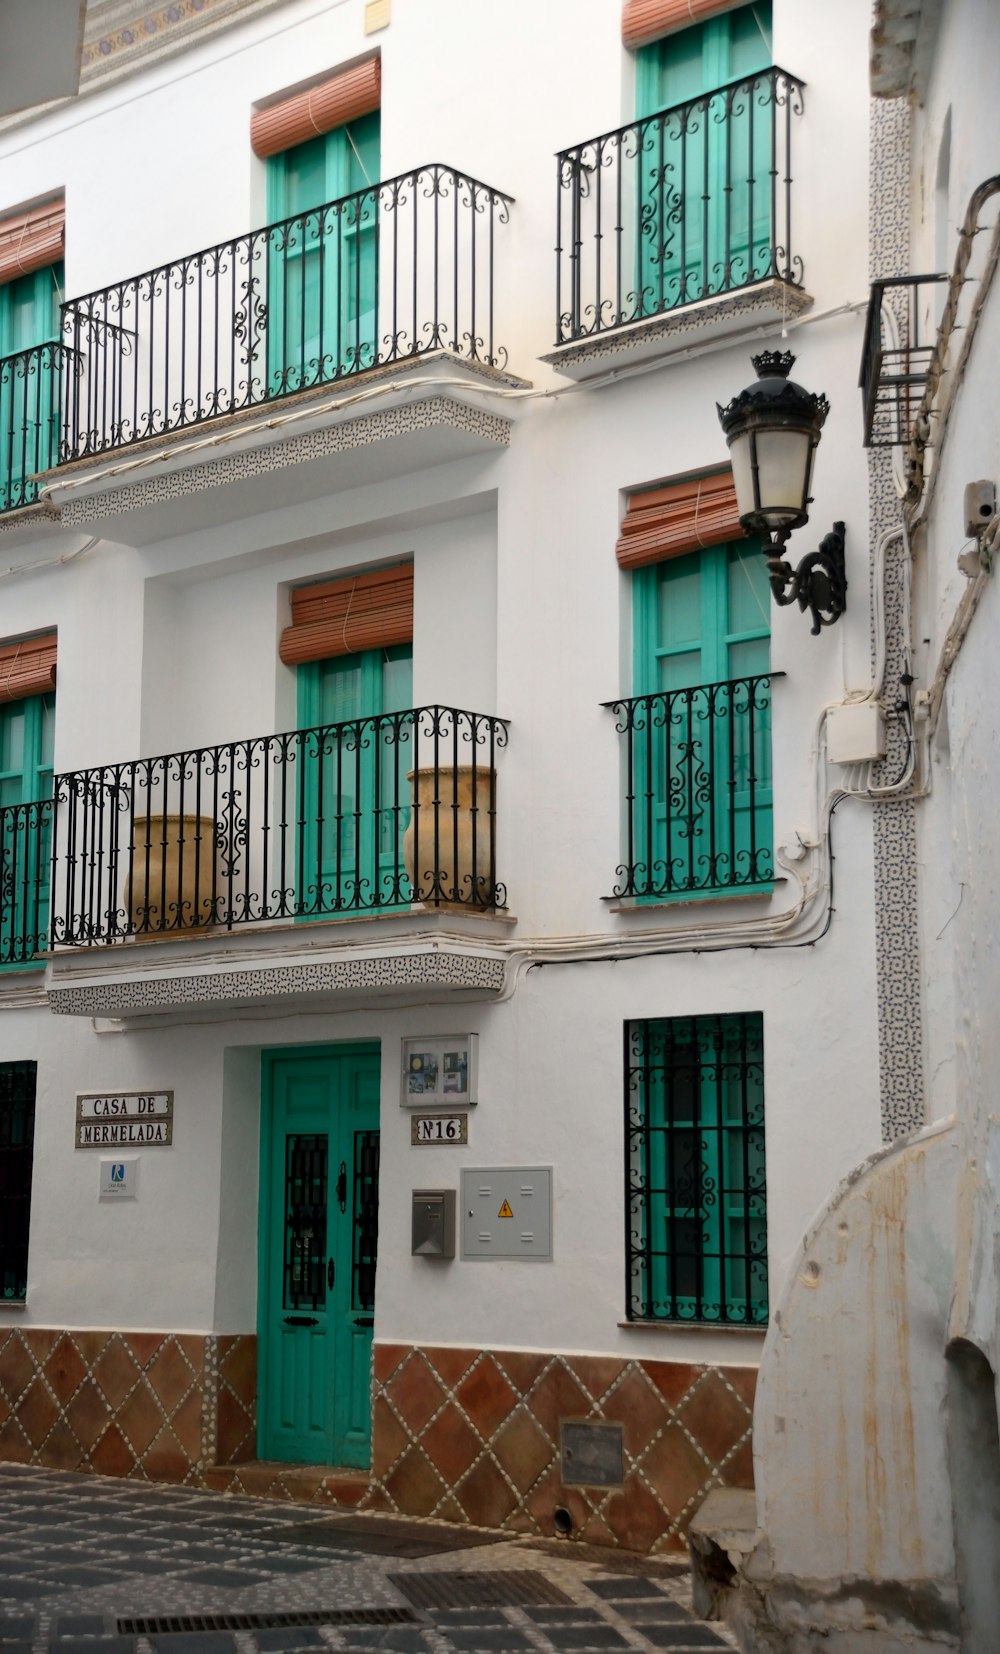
(677, 219)
(696, 766)
(898, 355)
(382, 285)
(25, 836)
(31, 396)
(390, 819)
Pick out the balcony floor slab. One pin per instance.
(366, 961)
(764, 305)
(300, 448)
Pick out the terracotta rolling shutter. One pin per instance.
(342, 97)
(30, 240)
(27, 668)
(343, 617)
(682, 516)
(646, 20)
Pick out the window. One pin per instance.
(29, 382)
(700, 767)
(322, 275)
(705, 219)
(355, 796)
(696, 1220)
(26, 746)
(17, 1134)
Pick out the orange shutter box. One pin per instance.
(32, 239)
(646, 20)
(682, 516)
(341, 97)
(28, 667)
(342, 617)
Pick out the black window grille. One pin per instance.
(696, 1196)
(17, 1136)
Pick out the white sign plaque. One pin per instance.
(119, 1179)
(124, 1119)
(427, 1129)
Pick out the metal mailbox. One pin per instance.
(433, 1225)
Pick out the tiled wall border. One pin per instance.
(156, 1406)
(894, 823)
(473, 1436)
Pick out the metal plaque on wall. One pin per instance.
(592, 1454)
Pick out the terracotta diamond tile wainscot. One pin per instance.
(65, 1369)
(451, 1444)
(389, 1438)
(62, 1450)
(486, 1396)
(139, 1419)
(522, 1450)
(88, 1414)
(638, 1408)
(170, 1375)
(37, 1411)
(416, 1393)
(414, 1485)
(112, 1456)
(485, 1496)
(238, 1367)
(557, 1396)
(637, 1518)
(673, 1379)
(116, 1372)
(17, 1368)
(14, 1444)
(674, 1469)
(714, 1416)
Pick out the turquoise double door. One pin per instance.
(705, 174)
(29, 383)
(322, 254)
(318, 1253)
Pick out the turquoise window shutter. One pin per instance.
(354, 798)
(702, 785)
(29, 382)
(27, 730)
(704, 169)
(323, 265)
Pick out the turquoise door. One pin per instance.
(354, 798)
(27, 731)
(322, 265)
(702, 623)
(29, 382)
(318, 1253)
(705, 215)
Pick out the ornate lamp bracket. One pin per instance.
(818, 584)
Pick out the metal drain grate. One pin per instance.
(158, 1624)
(512, 1588)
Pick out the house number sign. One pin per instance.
(113, 1119)
(428, 1129)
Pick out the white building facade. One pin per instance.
(380, 518)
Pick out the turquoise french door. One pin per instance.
(26, 743)
(318, 1254)
(705, 214)
(354, 798)
(29, 382)
(322, 266)
(702, 624)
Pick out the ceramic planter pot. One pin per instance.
(176, 895)
(451, 825)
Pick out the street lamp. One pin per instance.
(773, 429)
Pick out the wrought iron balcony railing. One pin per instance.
(367, 815)
(697, 773)
(384, 275)
(31, 393)
(25, 837)
(687, 204)
(897, 355)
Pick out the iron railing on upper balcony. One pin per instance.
(697, 789)
(690, 203)
(380, 276)
(366, 815)
(25, 839)
(897, 356)
(31, 401)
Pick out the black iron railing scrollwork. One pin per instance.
(689, 203)
(32, 399)
(697, 789)
(386, 274)
(25, 838)
(370, 814)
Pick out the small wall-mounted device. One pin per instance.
(980, 505)
(855, 733)
(433, 1223)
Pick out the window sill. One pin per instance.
(758, 1330)
(705, 898)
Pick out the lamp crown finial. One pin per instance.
(773, 364)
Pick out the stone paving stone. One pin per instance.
(23, 1590)
(679, 1637)
(599, 1635)
(192, 1642)
(446, 1617)
(15, 1626)
(277, 1640)
(227, 1578)
(638, 1612)
(565, 1613)
(619, 1590)
(94, 1645)
(16, 1647)
(79, 1625)
(490, 1640)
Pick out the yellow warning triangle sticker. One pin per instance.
(505, 1211)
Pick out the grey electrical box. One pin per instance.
(979, 504)
(433, 1226)
(507, 1212)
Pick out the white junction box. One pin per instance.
(855, 734)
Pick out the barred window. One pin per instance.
(17, 1135)
(696, 1238)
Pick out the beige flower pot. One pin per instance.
(443, 824)
(170, 886)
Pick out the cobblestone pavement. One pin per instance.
(91, 1565)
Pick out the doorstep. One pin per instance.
(304, 1483)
